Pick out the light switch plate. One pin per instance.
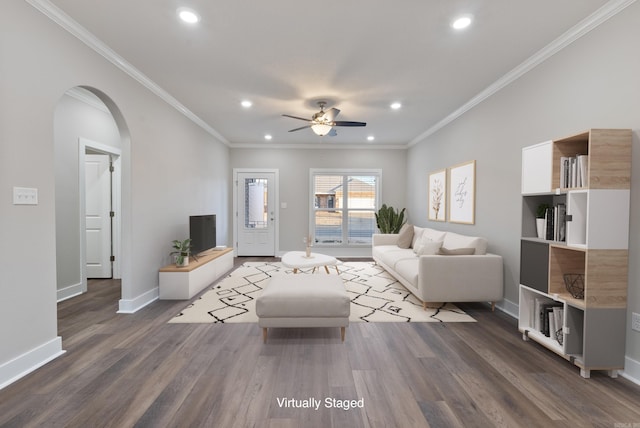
(25, 196)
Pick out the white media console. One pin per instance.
(181, 283)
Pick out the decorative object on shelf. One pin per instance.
(437, 195)
(462, 193)
(574, 282)
(308, 246)
(560, 335)
(389, 220)
(540, 223)
(182, 252)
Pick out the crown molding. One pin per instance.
(66, 22)
(594, 20)
(319, 146)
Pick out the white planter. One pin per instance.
(540, 223)
(185, 262)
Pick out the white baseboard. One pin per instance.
(130, 306)
(69, 292)
(508, 307)
(631, 370)
(24, 364)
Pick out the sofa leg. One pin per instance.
(493, 306)
(424, 306)
(264, 335)
(343, 332)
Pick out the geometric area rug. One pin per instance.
(375, 295)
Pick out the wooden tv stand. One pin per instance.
(181, 283)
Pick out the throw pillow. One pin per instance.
(456, 251)
(405, 236)
(427, 247)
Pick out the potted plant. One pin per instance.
(389, 220)
(182, 252)
(540, 221)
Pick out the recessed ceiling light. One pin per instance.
(461, 22)
(396, 105)
(268, 137)
(246, 103)
(371, 138)
(188, 15)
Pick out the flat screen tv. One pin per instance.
(202, 231)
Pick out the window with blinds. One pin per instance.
(344, 205)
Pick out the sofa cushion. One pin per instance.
(464, 251)
(405, 236)
(454, 240)
(408, 269)
(390, 258)
(417, 234)
(432, 234)
(426, 246)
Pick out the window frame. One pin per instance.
(345, 173)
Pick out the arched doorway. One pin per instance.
(89, 130)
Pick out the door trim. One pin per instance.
(116, 155)
(234, 207)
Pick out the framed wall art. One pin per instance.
(437, 195)
(462, 193)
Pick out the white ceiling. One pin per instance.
(359, 55)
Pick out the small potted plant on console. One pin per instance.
(182, 252)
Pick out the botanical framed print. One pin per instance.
(462, 193)
(437, 195)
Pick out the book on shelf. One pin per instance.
(558, 320)
(546, 311)
(574, 171)
(556, 222)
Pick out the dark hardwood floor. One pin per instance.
(137, 370)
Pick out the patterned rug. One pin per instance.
(375, 296)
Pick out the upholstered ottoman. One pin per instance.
(303, 301)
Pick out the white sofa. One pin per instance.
(433, 277)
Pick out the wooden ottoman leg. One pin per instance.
(343, 331)
(264, 335)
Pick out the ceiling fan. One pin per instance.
(322, 122)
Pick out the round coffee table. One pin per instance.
(299, 260)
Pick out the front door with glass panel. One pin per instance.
(256, 214)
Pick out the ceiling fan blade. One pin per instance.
(331, 114)
(302, 127)
(296, 117)
(348, 123)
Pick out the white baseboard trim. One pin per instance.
(69, 292)
(508, 307)
(24, 364)
(130, 306)
(631, 370)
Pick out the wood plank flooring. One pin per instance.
(137, 370)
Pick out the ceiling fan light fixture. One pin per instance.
(321, 129)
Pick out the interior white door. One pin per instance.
(256, 214)
(98, 218)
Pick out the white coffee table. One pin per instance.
(299, 260)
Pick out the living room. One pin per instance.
(173, 167)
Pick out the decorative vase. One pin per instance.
(540, 228)
(308, 252)
(185, 261)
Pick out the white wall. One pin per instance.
(294, 166)
(171, 169)
(593, 83)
